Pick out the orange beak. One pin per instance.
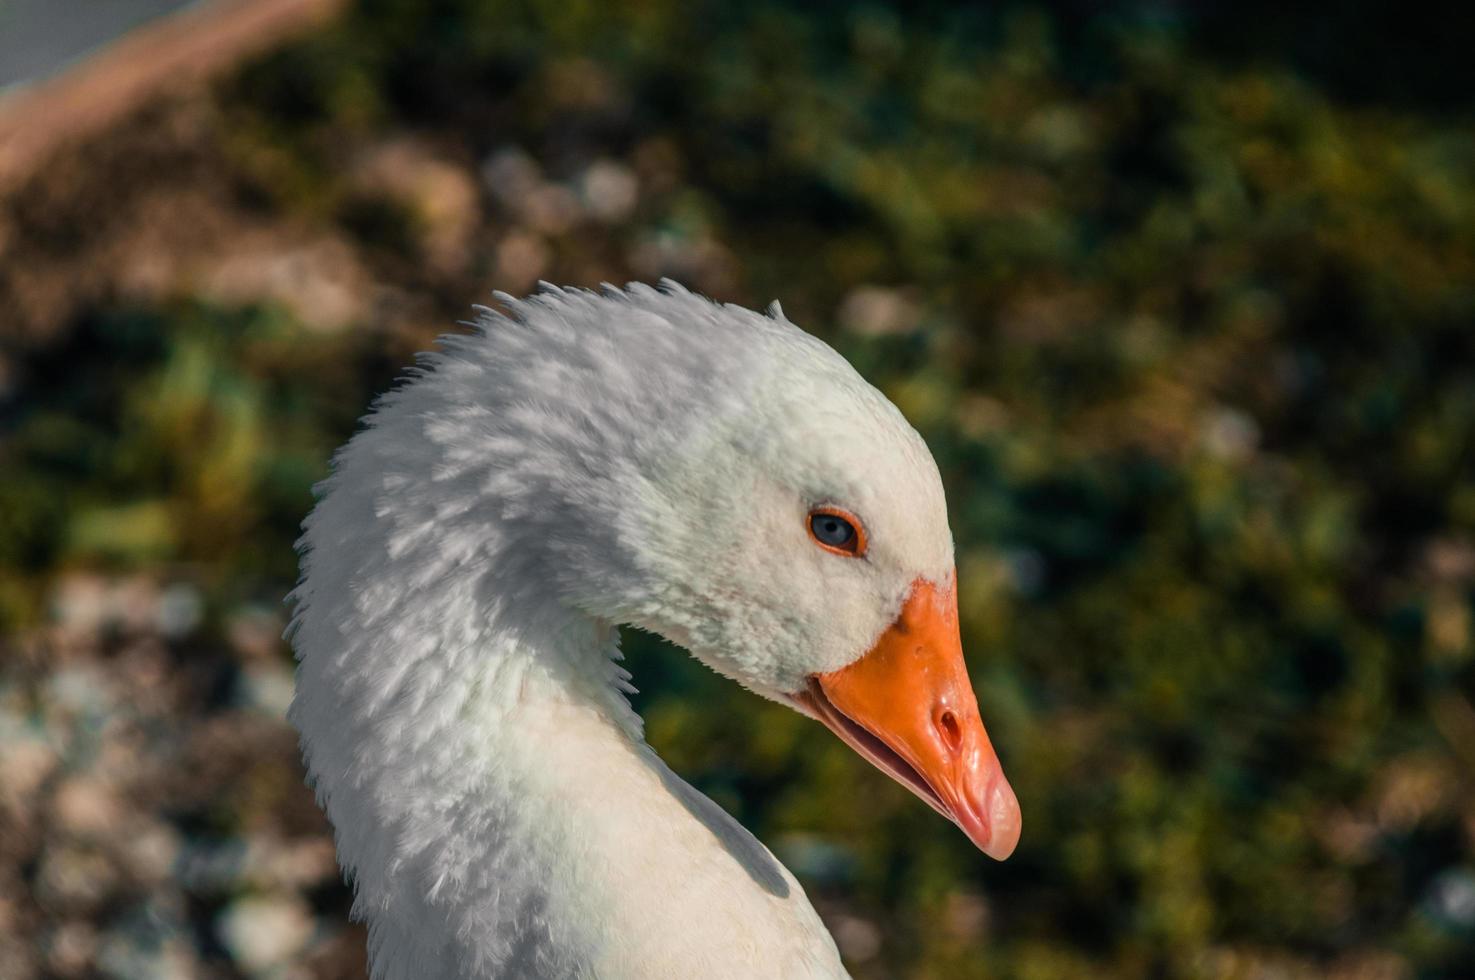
(907, 706)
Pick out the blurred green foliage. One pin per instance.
(1191, 339)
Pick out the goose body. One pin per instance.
(640, 457)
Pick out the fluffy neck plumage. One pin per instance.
(462, 714)
(428, 675)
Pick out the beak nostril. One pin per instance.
(951, 732)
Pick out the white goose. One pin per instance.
(641, 457)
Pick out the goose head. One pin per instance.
(796, 540)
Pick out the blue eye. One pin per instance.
(837, 531)
(831, 530)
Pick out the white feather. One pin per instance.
(636, 456)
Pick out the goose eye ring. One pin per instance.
(837, 530)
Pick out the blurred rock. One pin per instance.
(440, 194)
(135, 603)
(262, 932)
(17, 959)
(522, 259)
(84, 605)
(1363, 964)
(874, 311)
(86, 808)
(266, 687)
(320, 281)
(1057, 132)
(512, 176)
(1411, 788)
(255, 632)
(207, 867)
(71, 949)
(1027, 570)
(695, 259)
(150, 852)
(610, 190)
(1230, 434)
(180, 609)
(83, 692)
(859, 940)
(1349, 835)
(981, 417)
(81, 603)
(551, 209)
(1450, 559)
(581, 83)
(25, 763)
(659, 163)
(274, 864)
(128, 957)
(1452, 897)
(74, 879)
(1449, 625)
(967, 916)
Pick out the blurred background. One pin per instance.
(1181, 296)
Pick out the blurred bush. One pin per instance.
(1181, 301)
